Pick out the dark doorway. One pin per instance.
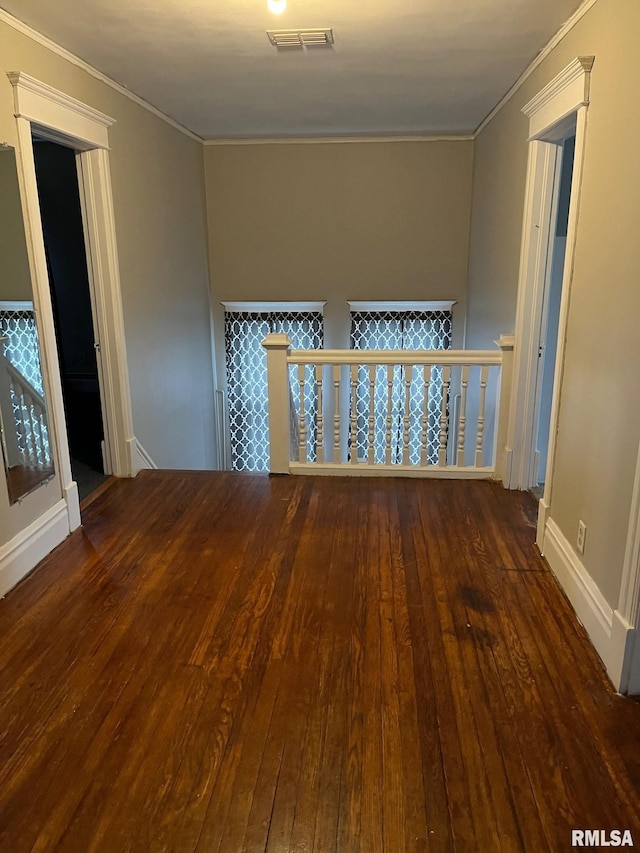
(65, 249)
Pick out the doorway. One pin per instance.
(550, 318)
(72, 303)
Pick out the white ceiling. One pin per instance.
(403, 67)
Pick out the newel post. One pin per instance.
(277, 347)
(502, 452)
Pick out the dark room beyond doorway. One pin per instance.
(65, 249)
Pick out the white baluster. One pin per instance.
(484, 378)
(353, 431)
(302, 420)
(442, 438)
(389, 419)
(336, 414)
(426, 377)
(22, 416)
(463, 415)
(42, 451)
(408, 374)
(33, 448)
(320, 417)
(372, 417)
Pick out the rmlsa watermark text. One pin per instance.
(601, 838)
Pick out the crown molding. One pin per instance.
(552, 111)
(333, 140)
(25, 83)
(577, 16)
(47, 43)
(577, 71)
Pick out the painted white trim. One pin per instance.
(145, 462)
(567, 279)
(44, 311)
(543, 174)
(566, 28)
(543, 177)
(388, 356)
(66, 120)
(565, 94)
(267, 307)
(34, 35)
(590, 606)
(629, 598)
(368, 305)
(543, 514)
(609, 632)
(444, 472)
(16, 306)
(337, 140)
(23, 553)
(104, 271)
(36, 101)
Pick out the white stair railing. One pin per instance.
(30, 416)
(383, 412)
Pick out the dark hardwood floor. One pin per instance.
(225, 662)
(22, 479)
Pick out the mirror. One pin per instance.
(24, 427)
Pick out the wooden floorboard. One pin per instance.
(223, 662)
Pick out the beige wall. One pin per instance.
(157, 179)
(339, 221)
(599, 423)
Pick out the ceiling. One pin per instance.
(405, 67)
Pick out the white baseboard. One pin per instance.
(23, 553)
(144, 461)
(609, 632)
(70, 494)
(543, 512)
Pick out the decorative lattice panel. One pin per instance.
(21, 350)
(247, 381)
(21, 346)
(31, 431)
(399, 331)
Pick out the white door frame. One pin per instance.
(553, 114)
(626, 617)
(59, 118)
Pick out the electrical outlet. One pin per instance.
(582, 532)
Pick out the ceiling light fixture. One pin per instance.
(277, 6)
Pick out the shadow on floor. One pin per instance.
(87, 478)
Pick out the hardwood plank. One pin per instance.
(224, 662)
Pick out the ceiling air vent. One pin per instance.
(301, 38)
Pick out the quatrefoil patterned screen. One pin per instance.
(247, 380)
(399, 330)
(21, 345)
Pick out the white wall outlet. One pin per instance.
(582, 532)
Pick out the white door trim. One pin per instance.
(567, 278)
(628, 610)
(543, 175)
(60, 118)
(104, 272)
(552, 113)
